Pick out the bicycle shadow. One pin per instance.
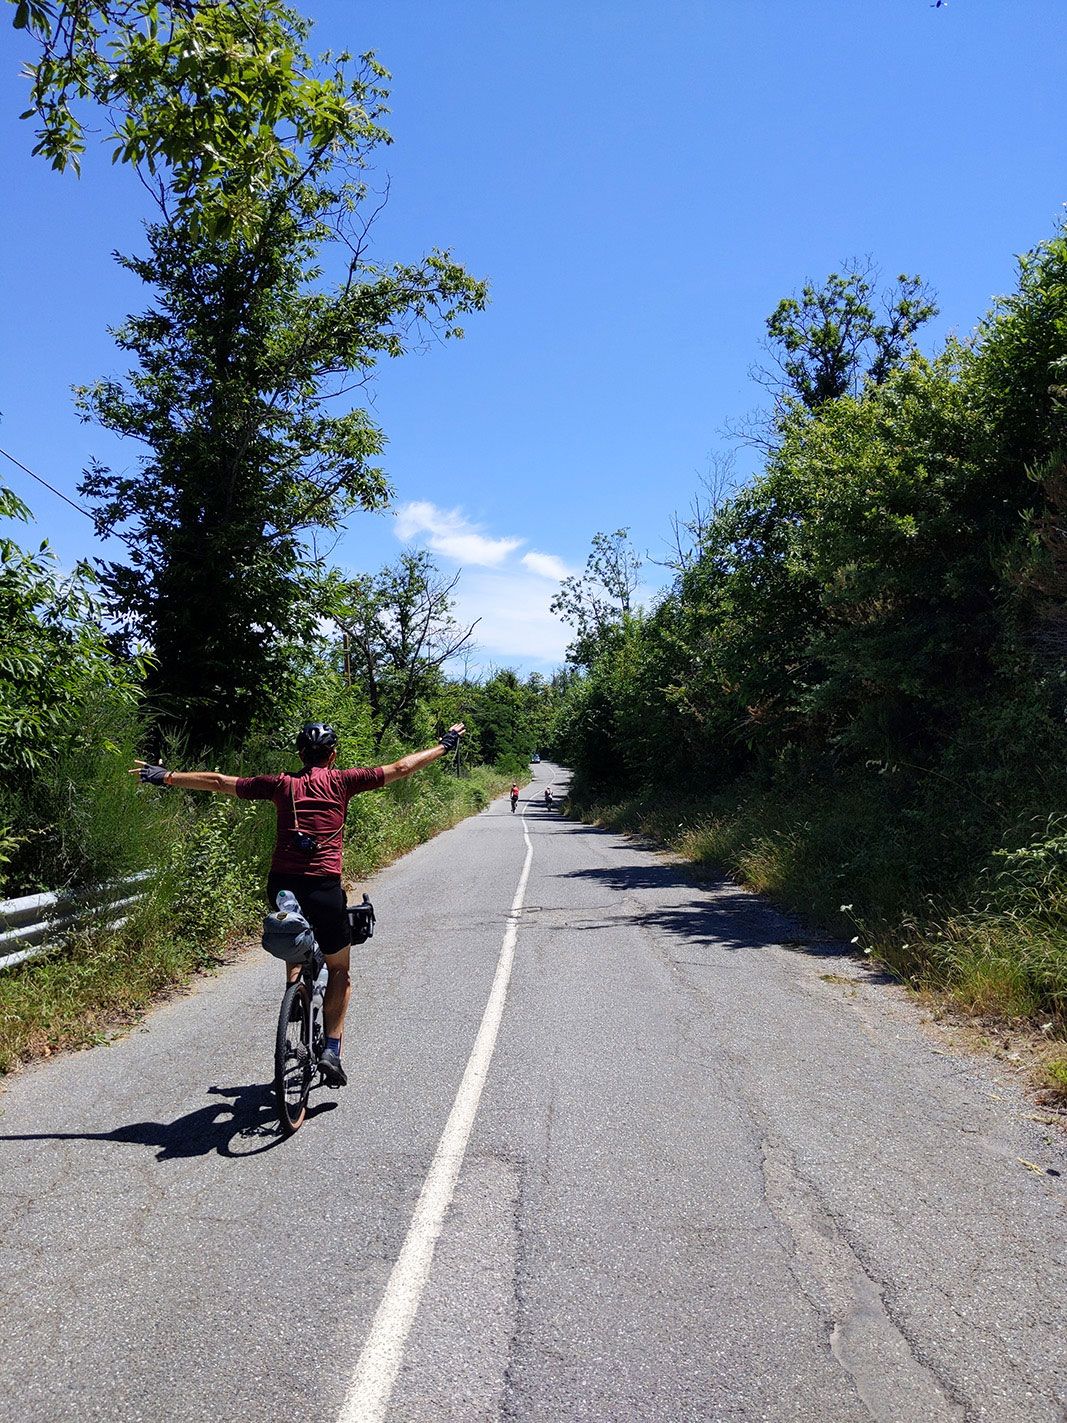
(245, 1124)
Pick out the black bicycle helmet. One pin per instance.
(316, 740)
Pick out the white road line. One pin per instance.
(379, 1363)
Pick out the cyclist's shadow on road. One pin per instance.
(243, 1122)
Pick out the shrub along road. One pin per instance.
(715, 1172)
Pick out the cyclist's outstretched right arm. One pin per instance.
(185, 780)
(416, 760)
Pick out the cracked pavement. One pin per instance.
(718, 1172)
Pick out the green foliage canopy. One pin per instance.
(887, 592)
(831, 340)
(215, 101)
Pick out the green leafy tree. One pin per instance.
(1019, 379)
(242, 359)
(833, 340)
(861, 597)
(599, 600)
(540, 695)
(215, 100)
(505, 727)
(399, 634)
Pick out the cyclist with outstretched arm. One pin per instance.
(311, 805)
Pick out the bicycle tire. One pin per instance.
(293, 1058)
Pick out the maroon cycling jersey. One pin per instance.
(320, 796)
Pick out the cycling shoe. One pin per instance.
(333, 1074)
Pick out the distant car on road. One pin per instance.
(535, 760)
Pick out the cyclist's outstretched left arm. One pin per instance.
(185, 780)
(397, 770)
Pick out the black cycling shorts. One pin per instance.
(323, 903)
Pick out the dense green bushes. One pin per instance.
(857, 683)
(61, 692)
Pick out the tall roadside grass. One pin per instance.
(383, 826)
(78, 818)
(211, 856)
(203, 893)
(1006, 952)
(925, 888)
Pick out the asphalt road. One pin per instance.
(715, 1172)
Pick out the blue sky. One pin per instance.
(640, 184)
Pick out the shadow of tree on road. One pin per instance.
(714, 912)
(242, 1123)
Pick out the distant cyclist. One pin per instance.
(311, 805)
(514, 798)
(548, 797)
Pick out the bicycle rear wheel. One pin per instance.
(293, 1060)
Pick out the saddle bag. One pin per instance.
(287, 935)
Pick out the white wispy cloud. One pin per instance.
(509, 596)
(547, 565)
(449, 532)
(515, 621)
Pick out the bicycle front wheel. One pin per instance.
(293, 1063)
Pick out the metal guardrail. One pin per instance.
(37, 922)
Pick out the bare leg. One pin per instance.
(338, 992)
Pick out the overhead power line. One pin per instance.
(57, 492)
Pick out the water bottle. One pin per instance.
(320, 984)
(287, 902)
